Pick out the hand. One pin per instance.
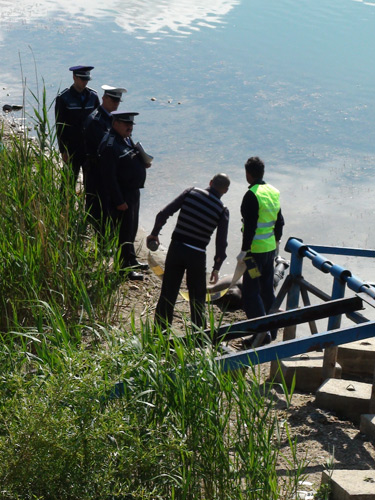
(150, 237)
(214, 277)
(123, 207)
(147, 165)
(241, 256)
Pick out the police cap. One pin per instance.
(113, 92)
(82, 72)
(124, 116)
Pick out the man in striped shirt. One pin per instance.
(201, 212)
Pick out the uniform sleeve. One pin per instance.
(108, 175)
(93, 133)
(221, 239)
(279, 226)
(249, 212)
(60, 119)
(168, 211)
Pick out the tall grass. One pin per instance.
(47, 250)
(182, 429)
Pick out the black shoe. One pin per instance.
(141, 266)
(267, 339)
(134, 276)
(247, 343)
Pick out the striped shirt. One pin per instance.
(201, 212)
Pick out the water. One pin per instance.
(289, 81)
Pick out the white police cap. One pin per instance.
(114, 92)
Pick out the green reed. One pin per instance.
(48, 250)
(182, 429)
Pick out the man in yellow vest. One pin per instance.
(262, 229)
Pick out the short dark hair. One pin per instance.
(220, 182)
(255, 167)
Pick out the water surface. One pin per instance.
(290, 81)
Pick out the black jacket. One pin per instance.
(71, 110)
(121, 169)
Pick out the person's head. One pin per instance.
(220, 182)
(254, 169)
(123, 122)
(112, 97)
(81, 76)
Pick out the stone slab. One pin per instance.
(357, 358)
(367, 426)
(351, 484)
(308, 370)
(347, 398)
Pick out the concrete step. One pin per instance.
(357, 358)
(308, 370)
(351, 484)
(347, 398)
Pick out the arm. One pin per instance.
(221, 241)
(249, 212)
(164, 215)
(60, 117)
(108, 170)
(279, 226)
(168, 211)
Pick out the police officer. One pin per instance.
(122, 174)
(201, 212)
(94, 128)
(262, 229)
(72, 107)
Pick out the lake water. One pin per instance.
(291, 81)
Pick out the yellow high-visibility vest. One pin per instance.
(269, 206)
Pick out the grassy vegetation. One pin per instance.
(182, 429)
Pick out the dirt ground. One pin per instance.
(322, 436)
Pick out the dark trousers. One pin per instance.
(127, 224)
(98, 214)
(257, 293)
(181, 258)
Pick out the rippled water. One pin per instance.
(289, 81)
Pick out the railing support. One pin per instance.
(294, 291)
(334, 323)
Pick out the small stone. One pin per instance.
(153, 98)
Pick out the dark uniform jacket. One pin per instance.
(94, 128)
(71, 110)
(122, 171)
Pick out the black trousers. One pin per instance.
(258, 293)
(127, 223)
(181, 258)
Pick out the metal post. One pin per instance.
(334, 323)
(292, 301)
